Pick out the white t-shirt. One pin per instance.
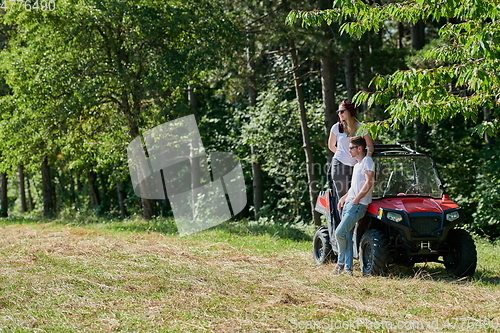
(358, 180)
(342, 153)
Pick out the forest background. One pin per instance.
(80, 79)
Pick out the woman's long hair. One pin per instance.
(343, 125)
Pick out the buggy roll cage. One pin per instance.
(404, 148)
(401, 148)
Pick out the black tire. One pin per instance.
(374, 253)
(322, 249)
(461, 259)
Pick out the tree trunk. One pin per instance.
(490, 141)
(417, 43)
(418, 35)
(73, 195)
(48, 192)
(31, 203)
(257, 183)
(401, 35)
(121, 199)
(257, 179)
(328, 92)
(306, 140)
(327, 57)
(349, 75)
(4, 200)
(193, 101)
(148, 208)
(194, 161)
(147, 204)
(420, 137)
(95, 200)
(22, 188)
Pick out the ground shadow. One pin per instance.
(273, 229)
(164, 226)
(13, 219)
(438, 273)
(237, 227)
(487, 277)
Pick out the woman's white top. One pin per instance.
(342, 154)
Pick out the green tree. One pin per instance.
(463, 78)
(106, 63)
(486, 195)
(273, 127)
(455, 80)
(264, 65)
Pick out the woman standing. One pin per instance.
(338, 142)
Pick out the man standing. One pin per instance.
(354, 203)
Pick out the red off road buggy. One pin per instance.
(410, 220)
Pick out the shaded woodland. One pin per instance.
(80, 80)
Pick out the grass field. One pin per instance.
(141, 277)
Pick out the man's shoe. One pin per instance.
(338, 269)
(347, 272)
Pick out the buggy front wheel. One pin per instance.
(461, 259)
(374, 253)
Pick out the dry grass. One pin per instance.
(58, 278)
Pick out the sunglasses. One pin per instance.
(340, 111)
(351, 148)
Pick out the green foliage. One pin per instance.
(471, 178)
(453, 85)
(87, 77)
(78, 82)
(272, 127)
(465, 78)
(457, 164)
(469, 170)
(486, 194)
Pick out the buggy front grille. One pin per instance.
(422, 226)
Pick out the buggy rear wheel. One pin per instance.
(374, 254)
(322, 249)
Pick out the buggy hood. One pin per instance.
(413, 204)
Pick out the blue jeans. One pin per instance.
(351, 214)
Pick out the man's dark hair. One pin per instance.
(358, 141)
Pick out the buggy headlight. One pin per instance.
(394, 217)
(452, 216)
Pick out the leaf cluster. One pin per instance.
(272, 128)
(464, 77)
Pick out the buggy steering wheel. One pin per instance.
(413, 189)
